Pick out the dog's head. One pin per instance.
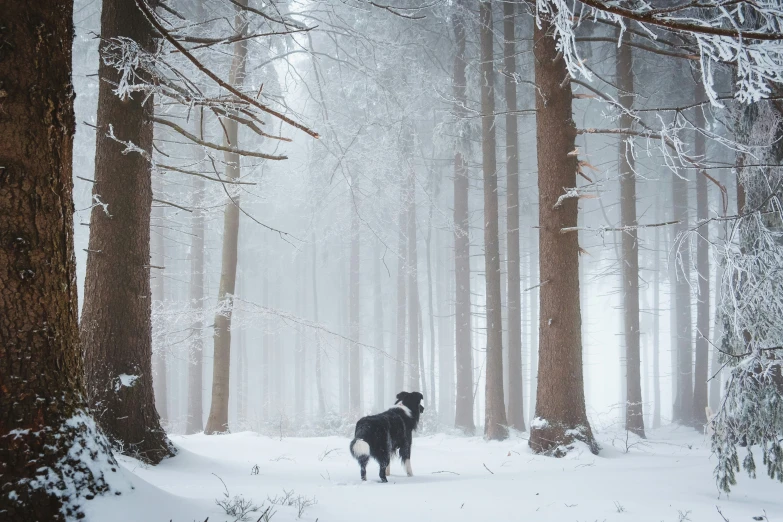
(412, 401)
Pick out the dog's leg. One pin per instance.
(388, 470)
(405, 455)
(363, 463)
(384, 465)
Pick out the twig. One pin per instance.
(446, 471)
(486, 468)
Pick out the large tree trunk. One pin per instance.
(560, 402)
(495, 425)
(683, 404)
(414, 376)
(402, 262)
(43, 417)
(516, 415)
(464, 405)
(380, 349)
(355, 401)
(218, 412)
(115, 324)
(701, 368)
(634, 414)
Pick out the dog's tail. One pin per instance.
(360, 449)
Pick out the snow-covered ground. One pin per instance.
(666, 478)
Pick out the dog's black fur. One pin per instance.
(379, 436)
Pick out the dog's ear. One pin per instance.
(402, 395)
(417, 395)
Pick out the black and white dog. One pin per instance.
(379, 436)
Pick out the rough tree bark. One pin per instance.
(217, 422)
(634, 414)
(463, 418)
(495, 425)
(354, 378)
(516, 414)
(560, 402)
(116, 314)
(701, 367)
(45, 431)
(445, 335)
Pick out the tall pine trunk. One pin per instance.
(516, 415)
(560, 402)
(43, 417)
(701, 367)
(218, 412)
(380, 349)
(634, 414)
(116, 333)
(683, 404)
(414, 376)
(495, 425)
(160, 384)
(402, 262)
(318, 369)
(195, 418)
(355, 401)
(656, 417)
(463, 418)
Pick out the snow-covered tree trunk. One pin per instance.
(115, 324)
(751, 411)
(52, 455)
(560, 404)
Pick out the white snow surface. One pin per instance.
(666, 478)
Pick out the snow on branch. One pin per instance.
(746, 35)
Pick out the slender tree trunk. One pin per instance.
(701, 369)
(464, 351)
(195, 421)
(433, 404)
(421, 351)
(380, 381)
(318, 369)
(299, 354)
(402, 262)
(414, 377)
(495, 425)
(516, 415)
(634, 414)
(43, 412)
(115, 325)
(353, 312)
(683, 404)
(445, 336)
(218, 413)
(656, 420)
(560, 404)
